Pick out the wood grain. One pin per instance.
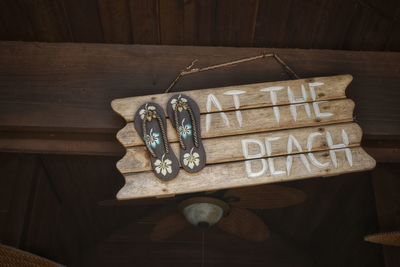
(37, 96)
(115, 21)
(226, 149)
(171, 18)
(234, 175)
(254, 120)
(84, 20)
(334, 88)
(54, 88)
(145, 21)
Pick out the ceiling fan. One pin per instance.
(387, 238)
(227, 210)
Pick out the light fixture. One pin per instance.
(203, 211)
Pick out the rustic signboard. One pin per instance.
(253, 134)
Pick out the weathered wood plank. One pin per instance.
(251, 97)
(253, 120)
(231, 175)
(226, 149)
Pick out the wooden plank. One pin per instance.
(15, 22)
(57, 145)
(367, 30)
(115, 20)
(244, 18)
(253, 120)
(49, 20)
(171, 22)
(252, 96)
(137, 70)
(145, 21)
(84, 20)
(235, 22)
(205, 18)
(226, 149)
(223, 22)
(271, 28)
(55, 88)
(190, 25)
(334, 19)
(299, 32)
(234, 175)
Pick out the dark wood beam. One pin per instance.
(55, 98)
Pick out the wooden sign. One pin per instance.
(253, 134)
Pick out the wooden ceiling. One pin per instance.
(322, 24)
(56, 99)
(49, 206)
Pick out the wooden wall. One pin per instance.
(323, 24)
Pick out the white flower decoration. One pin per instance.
(175, 101)
(143, 112)
(191, 159)
(152, 138)
(163, 166)
(185, 130)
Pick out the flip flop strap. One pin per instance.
(194, 126)
(163, 135)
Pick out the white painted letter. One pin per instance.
(298, 102)
(211, 99)
(271, 164)
(314, 161)
(249, 171)
(289, 159)
(274, 99)
(312, 89)
(235, 94)
(318, 112)
(339, 147)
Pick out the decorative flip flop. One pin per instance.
(184, 114)
(151, 126)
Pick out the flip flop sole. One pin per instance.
(150, 123)
(184, 114)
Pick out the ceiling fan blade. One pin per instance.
(389, 238)
(244, 224)
(136, 202)
(264, 197)
(168, 226)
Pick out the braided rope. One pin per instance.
(194, 125)
(144, 128)
(164, 135)
(177, 128)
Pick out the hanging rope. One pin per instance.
(191, 70)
